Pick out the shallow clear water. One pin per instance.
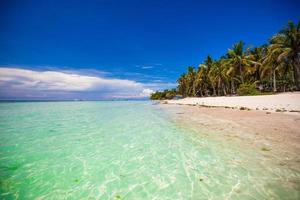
(125, 150)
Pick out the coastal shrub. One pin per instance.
(265, 149)
(247, 89)
(166, 94)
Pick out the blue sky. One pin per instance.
(148, 43)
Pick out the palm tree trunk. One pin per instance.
(232, 87)
(224, 89)
(241, 73)
(194, 90)
(219, 86)
(296, 67)
(214, 89)
(201, 93)
(274, 81)
(205, 91)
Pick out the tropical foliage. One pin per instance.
(166, 94)
(274, 67)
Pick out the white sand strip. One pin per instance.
(283, 101)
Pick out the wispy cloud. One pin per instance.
(158, 85)
(149, 66)
(18, 83)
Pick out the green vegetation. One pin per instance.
(166, 94)
(265, 149)
(247, 89)
(273, 67)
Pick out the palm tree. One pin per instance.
(239, 59)
(213, 76)
(270, 64)
(217, 75)
(256, 55)
(287, 41)
(182, 85)
(208, 64)
(191, 76)
(200, 81)
(231, 72)
(223, 65)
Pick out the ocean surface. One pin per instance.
(125, 150)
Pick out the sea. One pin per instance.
(126, 150)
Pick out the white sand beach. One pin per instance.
(283, 102)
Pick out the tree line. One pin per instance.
(273, 67)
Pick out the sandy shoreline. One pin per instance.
(274, 135)
(284, 102)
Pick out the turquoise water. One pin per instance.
(125, 150)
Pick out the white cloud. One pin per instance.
(18, 82)
(146, 92)
(160, 85)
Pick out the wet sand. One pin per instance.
(274, 135)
